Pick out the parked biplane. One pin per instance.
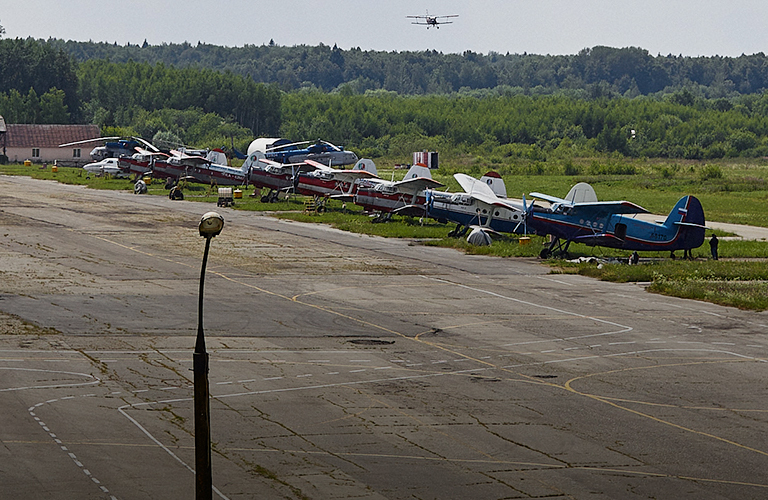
(482, 206)
(325, 182)
(200, 169)
(107, 166)
(580, 218)
(274, 176)
(405, 197)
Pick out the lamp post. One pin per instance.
(211, 225)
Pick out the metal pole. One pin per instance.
(203, 479)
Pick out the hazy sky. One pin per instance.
(688, 27)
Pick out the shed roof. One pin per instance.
(49, 136)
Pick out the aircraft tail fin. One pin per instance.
(367, 165)
(417, 171)
(496, 183)
(252, 161)
(688, 215)
(581, 193)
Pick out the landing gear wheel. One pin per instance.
(545, 253)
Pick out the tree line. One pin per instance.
(593, 72)
(41, 82)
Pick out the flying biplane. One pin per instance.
(482, 206)
(430, 21)
(580, 218)
(405, 197)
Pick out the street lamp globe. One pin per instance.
(211, 224)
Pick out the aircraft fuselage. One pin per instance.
(602, 228)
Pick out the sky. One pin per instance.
(557, 27)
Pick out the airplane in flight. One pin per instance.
(326, 182)
(580, 218)
(405, 197)
(482, 205)
(430, 21)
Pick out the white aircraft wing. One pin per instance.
(470, 185)
(495, 201)
(417, 184)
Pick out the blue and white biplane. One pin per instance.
(580, 218)
(482, 206)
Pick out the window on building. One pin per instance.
(35, 152)
(76, 153)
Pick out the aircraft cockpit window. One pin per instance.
(461, 199)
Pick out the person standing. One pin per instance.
(713, 242)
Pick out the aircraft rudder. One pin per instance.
(367, 165)
(680, 212)
(496, 183)
(688, 210)
(417, 171)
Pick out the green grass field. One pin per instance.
(734, 192)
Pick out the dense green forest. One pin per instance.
(593, 72)
(601, 101)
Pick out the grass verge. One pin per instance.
(736, 283)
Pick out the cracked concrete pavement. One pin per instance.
(348, 366)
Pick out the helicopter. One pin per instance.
(321, 151)
(114, 147)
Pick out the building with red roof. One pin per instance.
(40, 143)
